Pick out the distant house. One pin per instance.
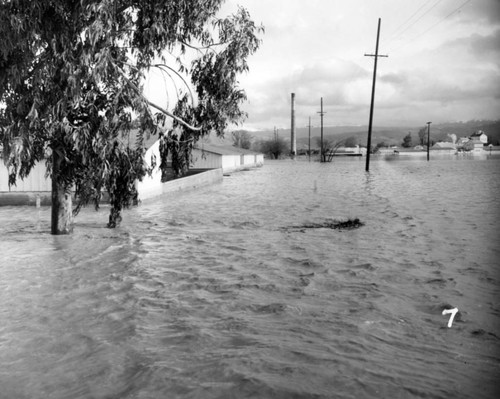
(478, 146)
(479, 136)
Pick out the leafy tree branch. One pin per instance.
(70, 91)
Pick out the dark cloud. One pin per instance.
(485, 46)
(482, 12)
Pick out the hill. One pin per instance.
(388, 135)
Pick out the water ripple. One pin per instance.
(205, 296)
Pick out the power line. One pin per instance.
(433, 26)
(419, 18)
(393, 34)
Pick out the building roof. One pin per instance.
(224, 149)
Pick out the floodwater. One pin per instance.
(219, 293)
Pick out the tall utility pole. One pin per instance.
(322, 159)
(293, 141)
(428, 138)
(376, 55)
(309, 152)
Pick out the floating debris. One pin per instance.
(348, 224)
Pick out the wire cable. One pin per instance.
(433, 26)
(419, 18)
(393, 34)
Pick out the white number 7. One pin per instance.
(453, 313)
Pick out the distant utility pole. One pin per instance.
(309, 152)
(428, 138)
(376, 55)
(293, 141)
(321, 149)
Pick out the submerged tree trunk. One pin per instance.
(115, 217)
(62, 205)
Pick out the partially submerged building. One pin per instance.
(210, 163)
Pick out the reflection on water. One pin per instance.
(206, 294)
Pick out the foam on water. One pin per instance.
(207, 294)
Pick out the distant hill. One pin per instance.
(388, 135)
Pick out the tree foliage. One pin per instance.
(422, 136)
(275, 147)
(242, 139)
(378, 146)
(351, 141)
(407, 142)
(71, 76)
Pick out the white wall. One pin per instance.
(206, 160)
(231, 162)
(35, 181)
(151, 186)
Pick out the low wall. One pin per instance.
(199, 178)
(152, 186)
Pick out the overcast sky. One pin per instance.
(443, 64)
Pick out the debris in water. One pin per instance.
(348, 224)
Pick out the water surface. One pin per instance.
(218, 293)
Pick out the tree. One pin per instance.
(379, 145)
(468, 146)
(71, 76)
(330, 147)
(407, 141)
(351, 141)
(242, 139)
(422, 135)
(274, 147)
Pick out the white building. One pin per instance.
(479, 136)
(209, 165)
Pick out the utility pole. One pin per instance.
(293, 141)
(376, 55)
(428, 138)
(309, 152)
(321, 149)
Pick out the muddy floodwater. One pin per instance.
(223, 293)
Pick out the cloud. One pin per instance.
(485, 47)
(484, 12)
(342, 84)
(465, 68)
(446, 66)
